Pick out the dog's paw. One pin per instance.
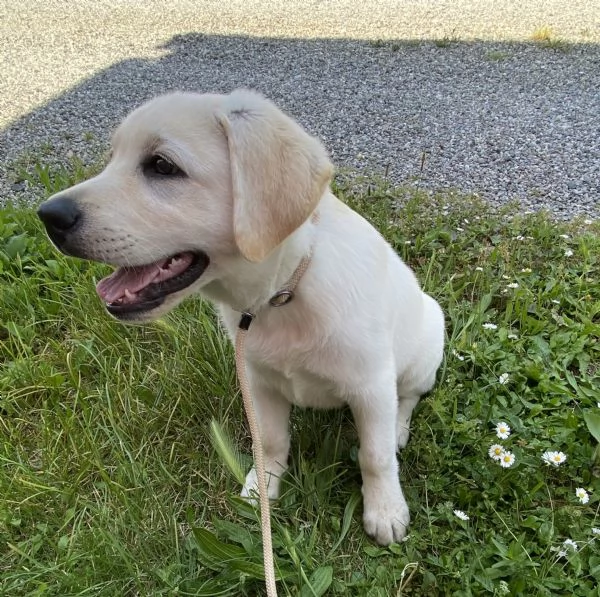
(386, 520)
(250, 489)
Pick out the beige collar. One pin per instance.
(286, 293)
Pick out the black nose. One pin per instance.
(59, 215)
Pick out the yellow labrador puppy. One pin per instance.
(225, 195)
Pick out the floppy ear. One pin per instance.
(279, 172)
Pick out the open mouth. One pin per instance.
(142, 288)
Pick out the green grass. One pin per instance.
(447, 40)
(111, 485)
(496, 56)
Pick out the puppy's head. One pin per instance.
(193, 180)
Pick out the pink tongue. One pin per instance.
(133, 279)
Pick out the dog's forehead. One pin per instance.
(174, 115)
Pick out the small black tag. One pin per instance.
(245, 321)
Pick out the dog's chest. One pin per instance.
(303, 388)
(296, 369)
(291, 356)
(307, 390)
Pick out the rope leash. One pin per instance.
(283, 297)
(259, 462)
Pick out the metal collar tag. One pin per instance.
(283, 297)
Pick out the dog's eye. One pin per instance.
(160, 165)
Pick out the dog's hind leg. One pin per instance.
(408, 398)
(406, 404)
(421, 375)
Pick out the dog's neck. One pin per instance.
(246, 286)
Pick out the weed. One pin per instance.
(447, 40)
(543, 33)
(496, 55)
(559, 45)
(545, 37)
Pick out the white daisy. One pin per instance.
(505, 277)
(526, 270)
(568, 253)
(495, 452)
(570, 543)
(489, 326)
(565, 236)
(554, 458)
(596, 530)
(457, 355)
(460, 514)
(502, 430)
(588, 222)
(582, 495)
(503, 379)
(512, 337)
(408, 242)
(512, 285)
(507, 459)
(478, 269)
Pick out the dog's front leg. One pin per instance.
(272, 413)
(386, 516)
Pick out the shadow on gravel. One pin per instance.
(506, 120)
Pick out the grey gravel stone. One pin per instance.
(387, 85)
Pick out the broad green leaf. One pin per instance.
(209, 588)
(217, 555)
(320, 580)
(347, 521)
(251, 569)
(592, 420)
(16, 245)
(213, 553)
(238, 533)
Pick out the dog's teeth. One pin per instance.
(169, 264)
(128, 295)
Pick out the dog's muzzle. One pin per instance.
(61, 217)
(130, 291)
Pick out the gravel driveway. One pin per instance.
(444, 94)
